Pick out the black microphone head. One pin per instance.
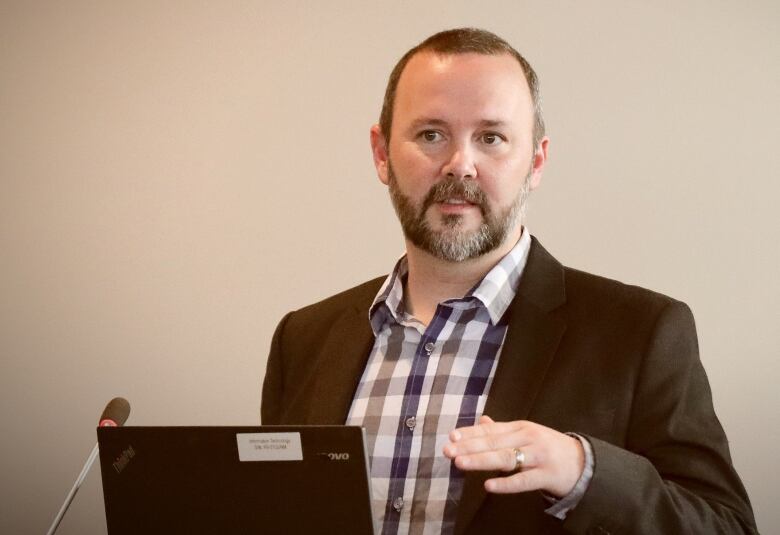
(115, 414)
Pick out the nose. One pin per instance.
(461, 164)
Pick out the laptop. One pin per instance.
(263, 479)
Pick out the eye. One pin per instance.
(430, 136)
(491, 138)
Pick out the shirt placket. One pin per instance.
(399, 496)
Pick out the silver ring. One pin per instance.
(519, 459)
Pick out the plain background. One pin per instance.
(177, 175)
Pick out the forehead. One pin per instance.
(463, 88)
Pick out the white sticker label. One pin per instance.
(269, 447)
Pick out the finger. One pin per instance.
(465, 446)
(503, 459)
(519, 482)
(486, 428)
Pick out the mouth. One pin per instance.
(456, 197)
(457, 200)
(456, 205)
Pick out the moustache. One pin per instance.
(467, 190)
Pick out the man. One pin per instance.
(501, 392)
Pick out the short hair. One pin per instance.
(463, 41)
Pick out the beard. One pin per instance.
(452, 242)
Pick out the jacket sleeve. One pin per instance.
(675, 473)
(273, 384)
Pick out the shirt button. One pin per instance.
(411, 422)
(398, 504)
(429, 347)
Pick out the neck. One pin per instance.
(432, 280)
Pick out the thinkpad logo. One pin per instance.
(123, 459)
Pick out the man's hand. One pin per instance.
(553, 461)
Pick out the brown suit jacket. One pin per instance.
(615, 363)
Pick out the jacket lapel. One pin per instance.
(532, 337)
(342, 358)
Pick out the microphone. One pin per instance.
(114, 415)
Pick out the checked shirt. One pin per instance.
(422, 382)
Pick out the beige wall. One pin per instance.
(174, 177)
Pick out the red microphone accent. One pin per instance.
(115, 414)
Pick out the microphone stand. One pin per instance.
(114, 415)
(72, 493)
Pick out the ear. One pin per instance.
(379, 150)
(539, 161)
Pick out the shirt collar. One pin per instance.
(494, 292)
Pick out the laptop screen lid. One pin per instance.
(262, 479)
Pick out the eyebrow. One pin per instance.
(427, 121)
(432, 121)
(492, 122)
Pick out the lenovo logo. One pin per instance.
(335, 456)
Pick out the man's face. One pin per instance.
(460, 161)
